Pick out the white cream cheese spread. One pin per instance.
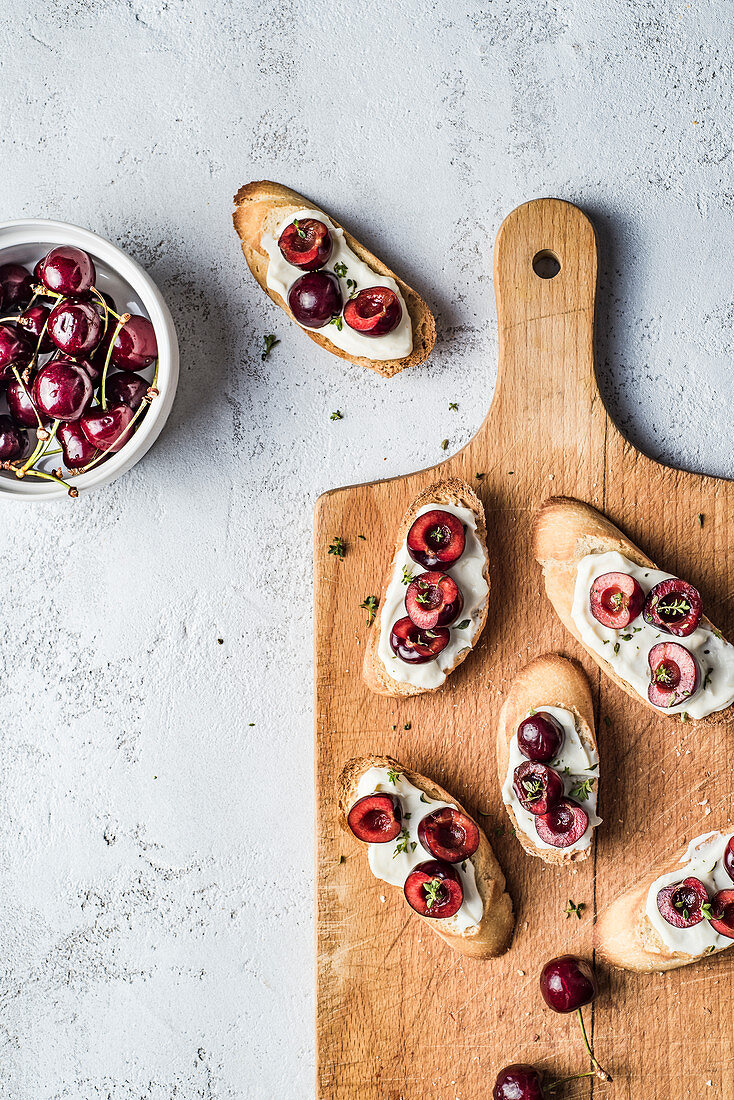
(468, 572)
(343, 263)
(702, 860)
(578, 767)
(626, 650)
(392, 862)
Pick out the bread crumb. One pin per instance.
(521, 973)
(382, 897)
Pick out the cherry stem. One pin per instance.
(103, 383)
(107, 310)
(564, 1080)
(41, 446)
(73, 491)
(600, 1073)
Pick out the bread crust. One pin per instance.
(624, 937)
(261, 207)
(452, 491)
(565, 531)
(493, 934)
(548, 681)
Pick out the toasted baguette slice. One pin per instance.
(548, 681)
(453, 491)
(262, 207)
(493, 934)
(565, 531)
(624, 936)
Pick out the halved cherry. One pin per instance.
(680, 904)
(434, 889)
(563, 825)
(436, 538)
(722, 909)
(537, 787)
(616, 599)
(417, 646)
(728, 859)
(376, 818)
(375, 311)
(449, 834)
(433, 599)
(306, 243)
(673, 606)
(674, 674)
(540, 736)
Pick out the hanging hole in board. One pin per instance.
(546, 264)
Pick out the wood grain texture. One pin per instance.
(398, 1016)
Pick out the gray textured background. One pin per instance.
(156, 850)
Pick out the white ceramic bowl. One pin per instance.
(25, 242)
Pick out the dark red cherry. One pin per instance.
(518, 1082)
(436, 538)
(563, 825)
(567, 983)
(125, 388)
(16, 284)
(75, 327)
(433, 599)
(722, 909)
(375, 311)
(62, 390)
(449, 834)
(15, 350)
(728, 859)
(616, 599)
(680, 903)
(434, 889)
(20, 405)
(673, 606)
(75, 447)
(106, 429)
(540, 737)
(13, 440)
(306, 243)
(417, 646)
(315, 298)
(136, 346)
(67, 270)
(674, 674)
(376, 818)
(537, 787)
(32, 322)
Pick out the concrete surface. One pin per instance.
(155, 785)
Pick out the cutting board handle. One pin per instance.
(545, 272)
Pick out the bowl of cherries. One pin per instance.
(88, 360)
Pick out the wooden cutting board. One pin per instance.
(399, 1015)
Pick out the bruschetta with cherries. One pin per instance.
(422, 841)
(343, 297)
(681, 913)
(435, 597)
(645, 628)
(548, 761)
